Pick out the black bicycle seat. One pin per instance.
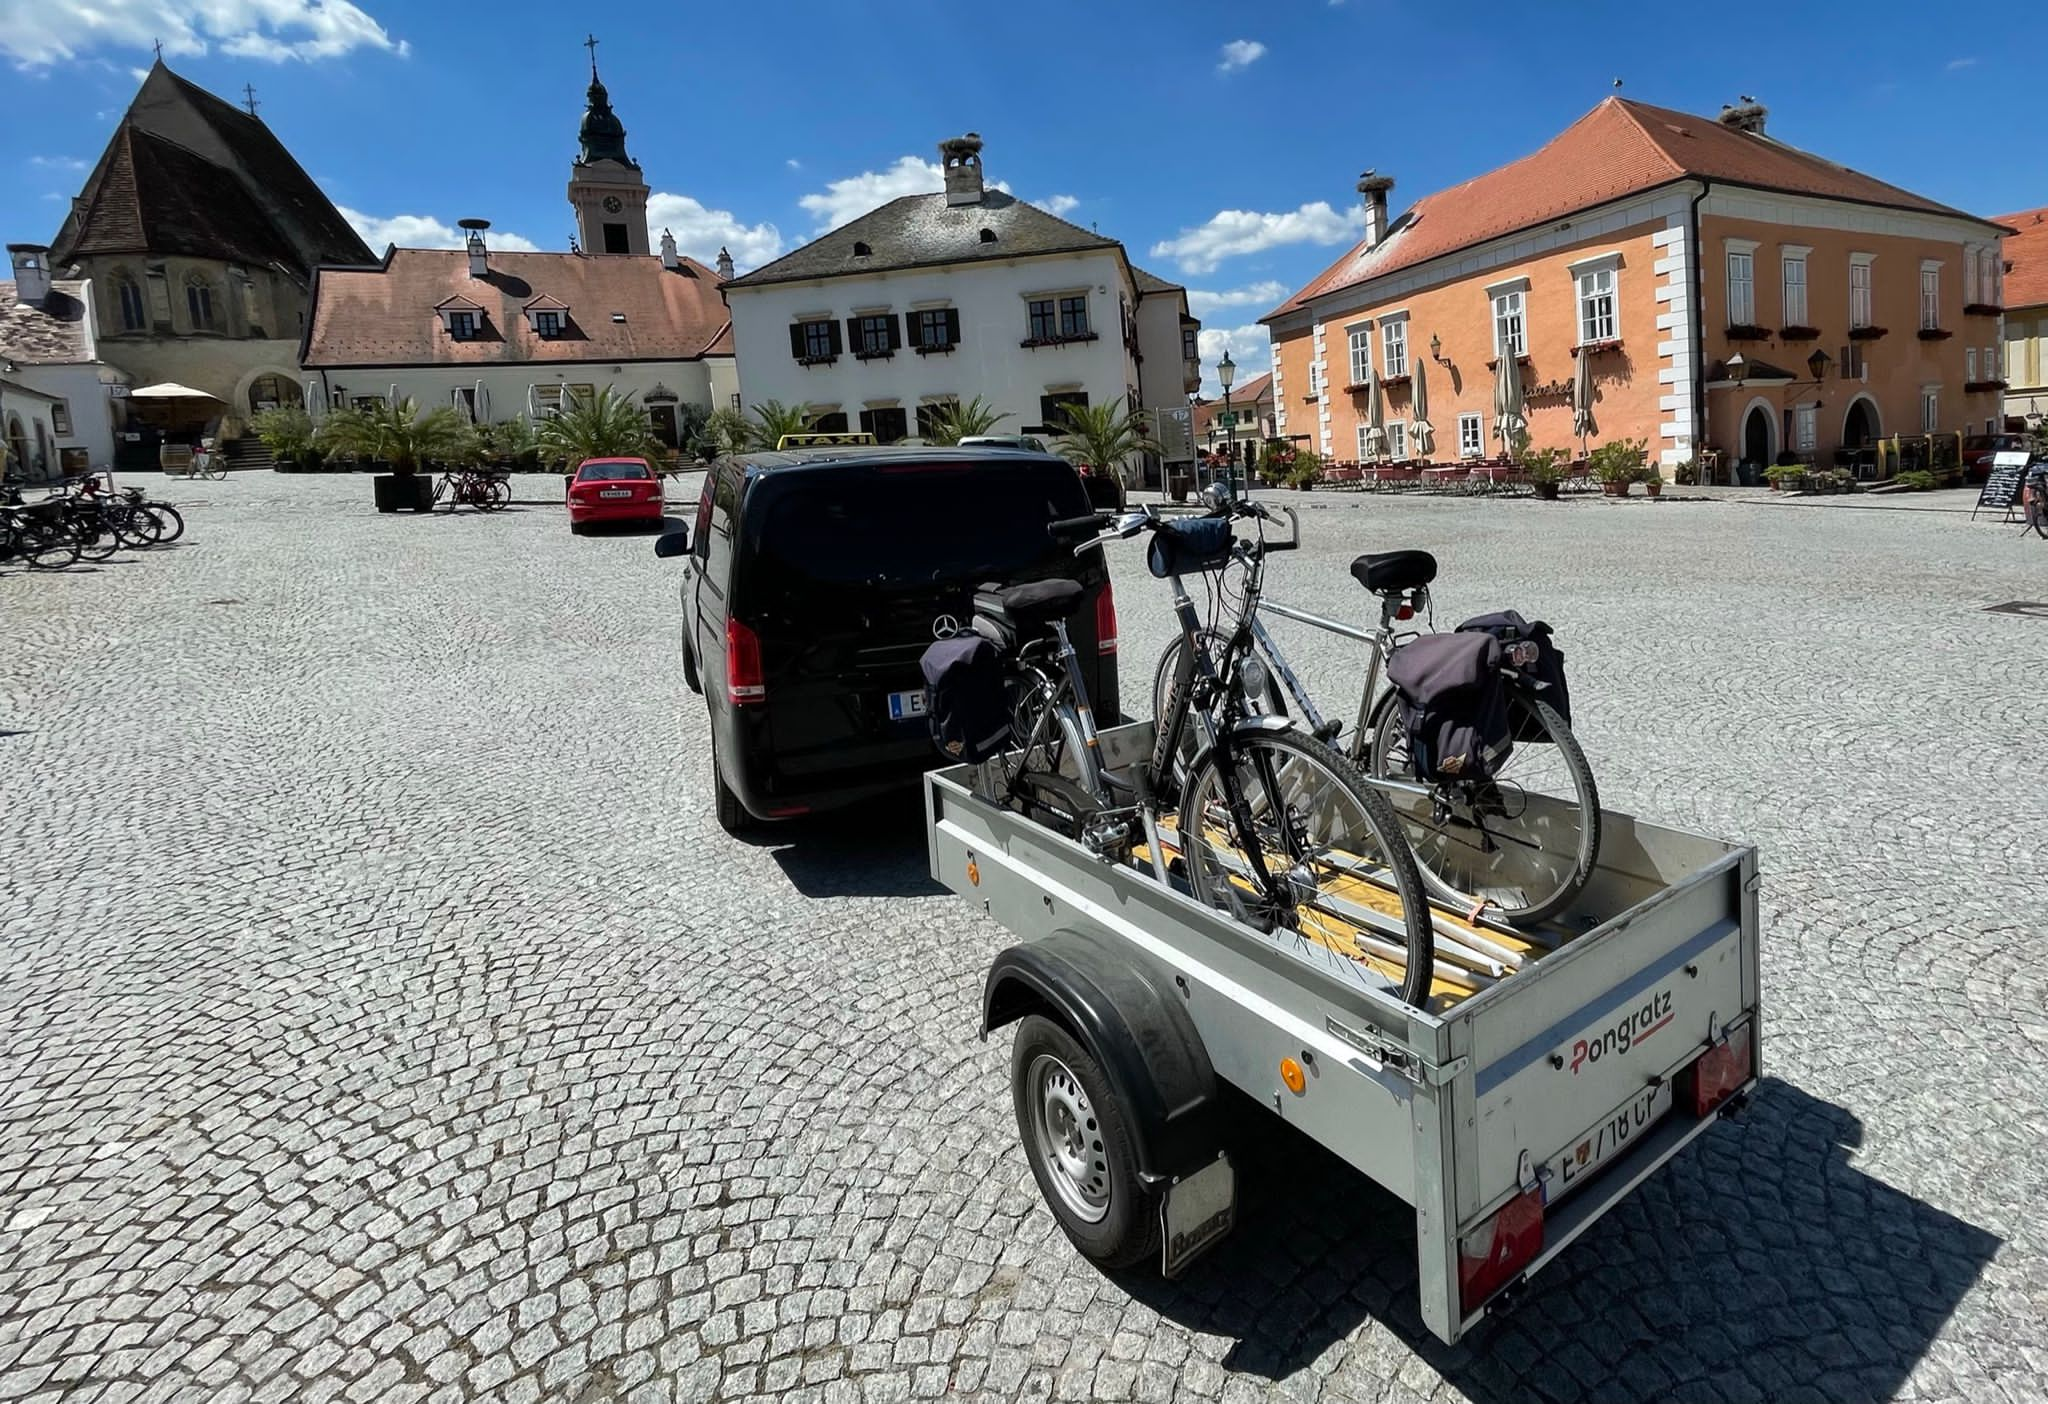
(1385, 571)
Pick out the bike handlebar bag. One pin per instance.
(1190, 547)
(963, 688)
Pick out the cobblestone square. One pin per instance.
(384, 1018)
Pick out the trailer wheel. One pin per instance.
(1076, 1137)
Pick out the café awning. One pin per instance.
(170, 390)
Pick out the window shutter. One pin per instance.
(853, 334)
(896, 331)
(953, 326)
(832, 329)
(913, 325)
(796, 340)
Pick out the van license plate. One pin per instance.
(904, 706)
(1603, 1141)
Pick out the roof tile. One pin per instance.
(2027, 251)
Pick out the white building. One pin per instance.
(935, 299)
(499, 335)
(54, 398)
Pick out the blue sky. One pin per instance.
(1220, 143)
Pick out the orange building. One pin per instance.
(1660, 245)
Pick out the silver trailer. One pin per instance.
(1511, 1115)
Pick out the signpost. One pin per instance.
(2002, 489)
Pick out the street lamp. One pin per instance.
(1226, 371)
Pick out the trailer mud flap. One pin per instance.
(1196, 1213)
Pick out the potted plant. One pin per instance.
(1616, 464)
(405, 439)
(288, 433)
(1686, 472)
(1652, 479)
(1786, 477)
(1106, 436)
(1544, 469)
(609, 426)
(1307, 467)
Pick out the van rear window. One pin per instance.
(956, 522)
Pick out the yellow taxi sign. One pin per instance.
(859, 439)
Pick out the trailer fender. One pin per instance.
(1137, 1029)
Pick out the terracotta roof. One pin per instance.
(1250, 394)
(54, 334)
(2027, 253)
(188, 173)
(1620, 148)
(385, 316)
(918, 231)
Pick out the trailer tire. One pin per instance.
(1077, 1139)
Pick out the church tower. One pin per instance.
(605, 187)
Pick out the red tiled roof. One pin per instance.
(1620, 148)
(1249, 395)
(386, 316)
(2027, 251)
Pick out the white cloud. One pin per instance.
(1957, 65)
(1058, 204)
(59, 163)
(36, 32)
(1232, 232)
(1263, 296)
(410, 231)
(794, 164)
(843, 200)
(1240, 53)
(701, 232)
(1251, 351)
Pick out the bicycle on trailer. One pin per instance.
(1520, 842)
(1265, 823)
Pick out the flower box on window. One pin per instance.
(1934, 334)
(1032, 343)
(1982, 309)
(1974, 387)
(1799, 333)
(1865, 333)
(1310, 399)
(882, 355)
(1390, 381)
(816, 360)
(1596, 348)
(942, 348)
(1744, 331)
(1522, 359)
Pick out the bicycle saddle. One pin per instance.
(1386, 571)
(1029, 607)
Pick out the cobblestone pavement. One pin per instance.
(383, 1017)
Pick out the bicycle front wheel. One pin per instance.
(1522, 842)
(1291, 836)
(1261, 698)
(173, 522)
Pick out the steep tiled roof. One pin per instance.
(2027, 251)
(53, 334)
(386, 316)
(1152, 282)
(1620, 148)
(187, 173)
(1246, 395)
(918, 231)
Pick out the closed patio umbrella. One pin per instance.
(1375, 424)
(1583, 424)
(1508, 417)
(1421, 433)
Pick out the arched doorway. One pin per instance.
(272, 391)
(1859, 425)
(1756, 437)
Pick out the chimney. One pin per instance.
(479, 265)
(1374, 188)
(1747, 116)
(668, 252)
(31, 271)
(962, 159)
(724, 264)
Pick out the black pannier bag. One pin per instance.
(1454, 705)
(1547, 671)
(1190, 546)
(963, 697)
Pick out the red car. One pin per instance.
(614, 490)
(1978, 450)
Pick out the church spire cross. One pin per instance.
(159, 51)
(590, 42)
(249, 98)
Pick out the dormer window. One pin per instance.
(548, 315)
(463, 318)
(988, 236)
(548, 325)
(462, 325)
(861, 250)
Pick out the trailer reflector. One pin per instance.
(1712, 1078)
(1291, 1074)
(1491, 1255)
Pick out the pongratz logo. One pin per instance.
(1626, 1032)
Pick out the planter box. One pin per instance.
(395, 493)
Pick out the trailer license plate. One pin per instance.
(1197, 1214)
(1606, 1139)
(903, 706)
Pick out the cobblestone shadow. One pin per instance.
(1759, 1265)
(871, 850)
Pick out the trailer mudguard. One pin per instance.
(1137, 1029)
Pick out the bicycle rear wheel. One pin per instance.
(1296, 839)
(1522, 842)
(173, 522)
(96, 540)
(47, 546)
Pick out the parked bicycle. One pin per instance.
(2034, 498)
(1519, 842)
(1268, 823)
(134, 520)
(480, 488)
(36, 535)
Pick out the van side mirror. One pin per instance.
(673, 542)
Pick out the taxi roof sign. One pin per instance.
(858, 439)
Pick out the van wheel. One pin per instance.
(1078, 1143)
(732, 815)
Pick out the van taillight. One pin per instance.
(1714, 1076)
(1491, 1255)
(743, 680)
(1105, 620)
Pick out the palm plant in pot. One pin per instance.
(1545, 470)
(405, 440)
(1100, 440)
(609, 425)
(1616, 465)
(773, 421)
(964, 421)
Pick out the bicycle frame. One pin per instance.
(1380, 642)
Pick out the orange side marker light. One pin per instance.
(1291, 1074)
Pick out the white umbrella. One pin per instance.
(1507, 398)
(1583, 424)
(172, 391)
(1375, 424)
(1421, 433)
